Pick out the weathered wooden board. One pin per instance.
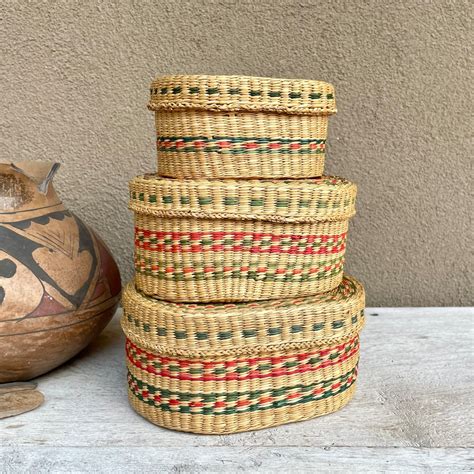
(412, 410)
(219, 459)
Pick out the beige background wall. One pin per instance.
(75, 84)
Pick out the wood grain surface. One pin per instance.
(412, 413)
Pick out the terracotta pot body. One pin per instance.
(59, 285)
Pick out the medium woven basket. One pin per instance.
(238, 367)
(227, 240)
(240, 127)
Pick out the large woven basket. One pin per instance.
(238, 367)
(225, 240)
(240, 127)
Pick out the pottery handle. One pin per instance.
(40, 172)
(43, 187)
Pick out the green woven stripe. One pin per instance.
(255, 276)
(244, 139)
(243, 151)
(246, 241)
(219, 263)
(246, 333)
(235, 395)
(252, 202)
(259, 200)
(146, 360)
(237, 91)
(232, 397)
(236, 145)
(237, 274)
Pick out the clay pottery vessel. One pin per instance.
(59, 285)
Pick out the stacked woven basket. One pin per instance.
(240, 316)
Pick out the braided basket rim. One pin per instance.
(242, 93)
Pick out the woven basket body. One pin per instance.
(199, 241)
(240, 127)
(237, 367)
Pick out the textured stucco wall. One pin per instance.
(75, 83)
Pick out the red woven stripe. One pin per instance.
(252, 360)
(249, 376)
(237, 235)
(278, 271)
(282, 371)
(176, 248)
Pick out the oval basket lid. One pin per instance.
(329, 198)
(202, 330)
(234, 93)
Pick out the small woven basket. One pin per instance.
(199, 241)
(237, 367)
(240, 127)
